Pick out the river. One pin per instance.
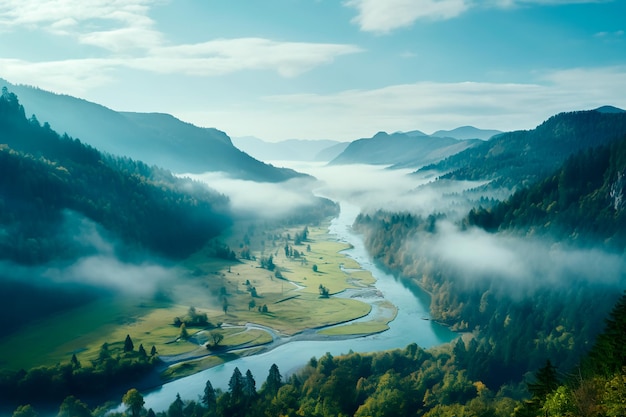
(412, 325)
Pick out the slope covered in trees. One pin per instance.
(46, 178)
(530, 291)
(582, 200)
(155, 138)
(401, 149)
(520, 158)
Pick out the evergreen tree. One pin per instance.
(608, 355)
(209, 398)
(273, 381)
(235, 387)
(249, 387)
(128, 344)
(142, 351)
(176, 408)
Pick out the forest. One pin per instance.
(48, 181)
(410, 381)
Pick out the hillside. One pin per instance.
(400, 149)
(156, 139)
(288, 150)
(522, 157)
(581, 201)
(467, 132)
(48, 180)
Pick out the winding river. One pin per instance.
(410, 326)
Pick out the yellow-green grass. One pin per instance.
(291, 309)
(387, 312)
(191, 367)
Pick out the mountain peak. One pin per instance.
(609, 109)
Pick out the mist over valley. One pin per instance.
(209, 210)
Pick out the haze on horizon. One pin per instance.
(314, 69)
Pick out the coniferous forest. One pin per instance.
(541, 346)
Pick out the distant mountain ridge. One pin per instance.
(157, 139)
(519, 158)
(467, 132)
(291, 149)
(411, 149)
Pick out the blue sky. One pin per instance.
(321, 69)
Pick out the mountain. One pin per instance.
(522, 157)
(410, 149)
(582, 201)
(467, 132)
(609, 109)
(330, 153)
(51, 186)
(157, 139)
(287, 150)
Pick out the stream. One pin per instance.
(412, 325)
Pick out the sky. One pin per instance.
(322, 69)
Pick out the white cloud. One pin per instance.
(223, 56)
(429, 106)
(52, 15)
(383, 16)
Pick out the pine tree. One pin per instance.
(128, 344)
(608, 355)
(209, 398)
(273, 381)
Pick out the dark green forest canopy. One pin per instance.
(520, 158)
(579, 208)
(45, 177)
(583, 201)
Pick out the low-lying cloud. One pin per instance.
(519, 265)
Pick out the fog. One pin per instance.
(103, 265)
(516, 264)
(376, 187)
(519, 265)
(250, 199)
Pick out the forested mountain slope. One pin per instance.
(584, 200)
(401, 149)
(155, 138)
(46, 178)
(520, 158)
(531, 290)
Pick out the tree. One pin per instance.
(314, 268)
(249, 386)
(324, 293)
(273, 381)
(128, 344)
(235, 387)
(74, 361)
(216, 337)
(25, 411)
(153, 351)
(209, 398)
(73, 407)
(225, 306)
(183, 332)
(142, 351)
(251, 304)
(134, 401)
(176, 408)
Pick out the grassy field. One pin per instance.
(218, 288)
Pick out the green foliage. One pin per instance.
(50, 385)
(520, 158)
(581, 201)
(44, 177)
(134, 401)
